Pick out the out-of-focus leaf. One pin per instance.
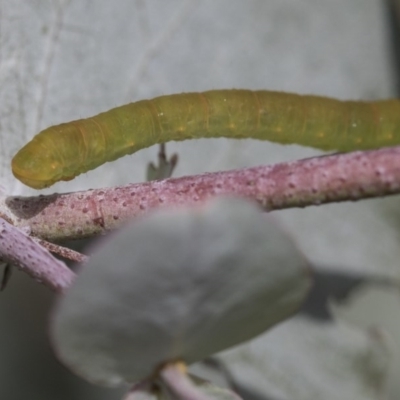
(212, 391)
(180, 284)
(332, 285)
(303, 359)
(217, 393)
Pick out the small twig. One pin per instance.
(137, 390)
(16, 248)
(6, 276)
(165, 166)
(319, 180)
(174, 377)
(62, 251)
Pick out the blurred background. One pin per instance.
(67, 59)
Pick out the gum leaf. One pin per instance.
(178, 284)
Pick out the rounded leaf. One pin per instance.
(178, 284)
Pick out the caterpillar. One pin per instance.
(64, 151)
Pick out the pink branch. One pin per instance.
(333, 178)
(20, 250)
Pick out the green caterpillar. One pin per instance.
(64, 151)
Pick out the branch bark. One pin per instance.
(314, 181)
(18, 249)
(333, 178)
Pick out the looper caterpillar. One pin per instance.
(64, 151)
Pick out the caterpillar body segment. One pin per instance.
(64, 151)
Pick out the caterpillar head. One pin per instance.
(39, 164)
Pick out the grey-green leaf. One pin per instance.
(178, 284)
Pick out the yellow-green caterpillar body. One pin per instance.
(64, 151)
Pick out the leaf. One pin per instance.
(180, 284)
(303, 359)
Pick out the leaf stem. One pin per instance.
(178, 382)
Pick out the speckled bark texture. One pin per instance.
(21, 251)
(314, 181)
